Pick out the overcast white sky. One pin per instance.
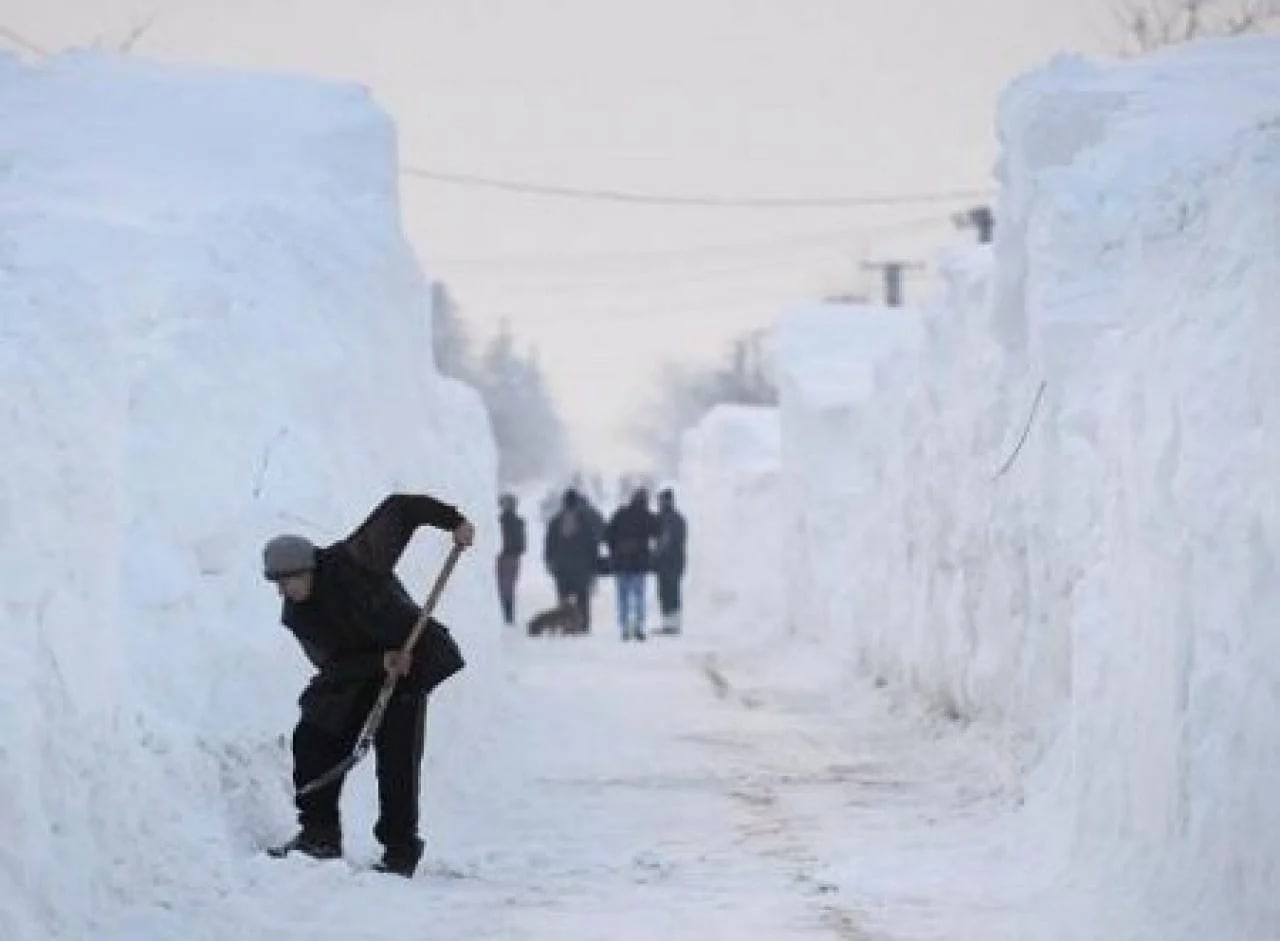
(771, 98)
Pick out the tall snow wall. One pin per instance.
(731, 484)
(211, 330)
(1052, 498)
(1146, 201)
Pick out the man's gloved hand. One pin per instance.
(396, 663)
(465, 534)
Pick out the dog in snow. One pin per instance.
(564, 618)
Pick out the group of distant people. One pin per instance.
(580, 546)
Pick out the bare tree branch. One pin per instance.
(124, 46)
(1191, 26)
(21, 41)
(686, 392)
(1150, 24)
(136, 34)
(1252, 17)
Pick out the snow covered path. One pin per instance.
(650, 809)
(656, 795)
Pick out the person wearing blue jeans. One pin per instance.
(631, 604)
(630, 536)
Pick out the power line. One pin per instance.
(765, 307)
(677, 268)
(707, 201)
(679, 275)
(650, 285)
(769, 247)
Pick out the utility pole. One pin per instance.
(892, 277)
(980, 218)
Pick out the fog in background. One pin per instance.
(719, 98)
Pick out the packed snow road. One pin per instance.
(657, 791)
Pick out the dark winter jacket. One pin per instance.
(513, 534)
(571, 546)
(358, 610)
(595, 521)
(669, 549)
(630, 534)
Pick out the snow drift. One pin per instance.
(729, 472)
(1051, 499)
(1150, 201)
(211, 330)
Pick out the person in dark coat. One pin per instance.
(508, 563)
(570, 551)
(669, 559)
(351, 614)
(596, 526)
(630, 535)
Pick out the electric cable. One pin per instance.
(699, 201)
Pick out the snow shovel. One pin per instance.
(370, 728)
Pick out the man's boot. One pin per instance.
(313, 842)
(399, 861)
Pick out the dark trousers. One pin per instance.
(579, 587)
(398, 753)
(508, 570)
(669, 590)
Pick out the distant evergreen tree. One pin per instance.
(449, 339)
(530, 435)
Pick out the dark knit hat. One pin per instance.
(287, 555)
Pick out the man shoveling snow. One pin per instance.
(354, 620)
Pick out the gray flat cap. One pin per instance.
(287, 555)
